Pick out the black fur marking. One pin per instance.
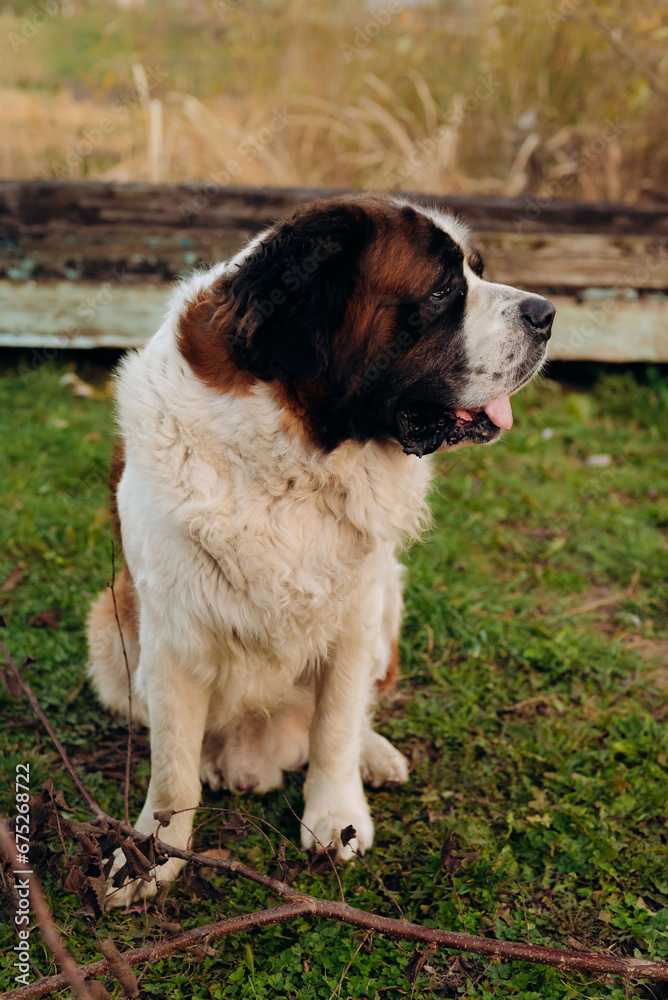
(292, 292)
(476, 263)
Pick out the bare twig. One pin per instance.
(72, 976)
(323, 846)
(302, 905)
(526, 916)
(382, 885)
(474, 982)
(335, 991)
(99, 812)
(459, 902)
(128, 758)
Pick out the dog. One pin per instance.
(272, 462)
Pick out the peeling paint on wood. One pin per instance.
(81, 314)
(61, 314)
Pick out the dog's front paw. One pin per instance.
(134, 890)
(381, 763)
(328, 822)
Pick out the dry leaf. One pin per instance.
(347, 835)
(120, 968)
(12, 579)
(46, 619)
(81, 388)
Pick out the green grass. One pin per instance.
(532, 706)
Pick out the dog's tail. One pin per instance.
(106, 660)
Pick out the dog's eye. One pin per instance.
(441, 293)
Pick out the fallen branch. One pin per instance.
(579, 961)
(152, 952)
(300, 904)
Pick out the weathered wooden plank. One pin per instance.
(42, 203)
(78, 259)
(58, 314)
(610, 329)
(543, 261)
(53, 315)
(547, 261)
(100, 231)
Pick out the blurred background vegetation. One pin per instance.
(564, 99)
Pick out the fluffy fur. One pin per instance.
(269, 471)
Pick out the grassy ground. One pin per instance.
(533, 704)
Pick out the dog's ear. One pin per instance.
(290, 295)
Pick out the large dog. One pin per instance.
(270, 467)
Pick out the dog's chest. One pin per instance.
(291, 540)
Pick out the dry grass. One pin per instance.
(527, 99)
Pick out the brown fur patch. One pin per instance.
(201, 341)
(117, 468)
(395, 268)
(124, 589)
(392, 675)
(127, 604)
(298, 405)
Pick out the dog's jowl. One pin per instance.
(272, 461)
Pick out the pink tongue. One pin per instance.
(500, 412)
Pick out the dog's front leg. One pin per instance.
(178, 708)
(333, 792)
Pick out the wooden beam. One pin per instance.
(613, 329)
(53, 315)
(24, 204)
(543, 262)
(84, 314)
(136, 254)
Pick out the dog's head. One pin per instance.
(373, 316)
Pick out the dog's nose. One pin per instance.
(538, 314)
